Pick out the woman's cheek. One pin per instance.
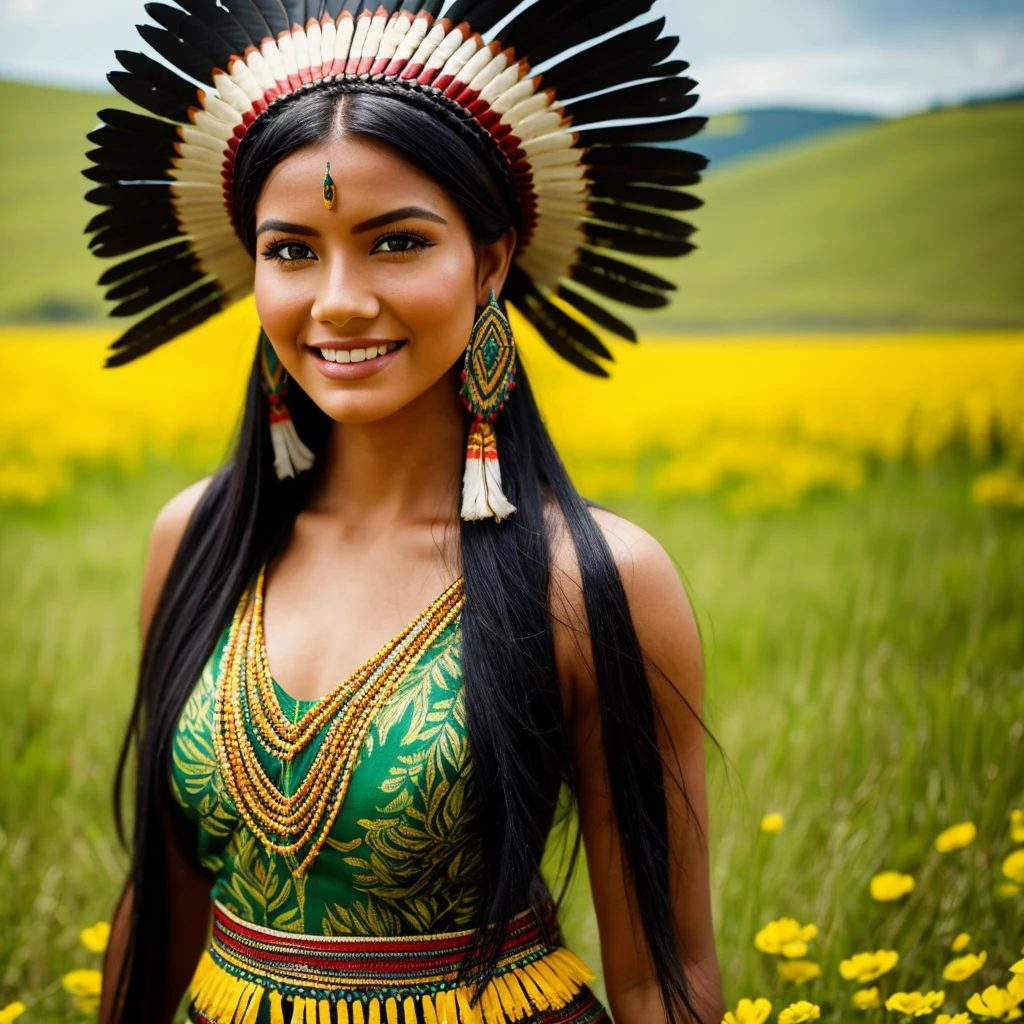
(282, 305)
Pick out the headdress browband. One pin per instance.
(572, 144)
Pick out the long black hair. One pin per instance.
(517, 741)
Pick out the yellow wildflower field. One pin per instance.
(766, 419)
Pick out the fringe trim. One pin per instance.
(545, 984)
(291, 456)
(482, 496)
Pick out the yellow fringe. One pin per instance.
(545, 984)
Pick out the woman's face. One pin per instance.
(367, 304)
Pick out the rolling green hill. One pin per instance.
(913, 222)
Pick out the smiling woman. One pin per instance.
(364, 822)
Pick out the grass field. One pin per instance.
(864, 676)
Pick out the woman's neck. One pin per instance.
(404, 468)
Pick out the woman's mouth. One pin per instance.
(355, 363)
(356, 355)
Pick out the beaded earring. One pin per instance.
(488, 375)
(291, 456)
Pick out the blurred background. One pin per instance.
(825, 430)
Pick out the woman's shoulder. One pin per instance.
(164, 538)
(641, 560)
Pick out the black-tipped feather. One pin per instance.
(618, 270)
(154, 73)
(623, 58)
(149, 326)
(146, 157)
(137, 124)
(564, 31)
(657, 131)
(109, 172)
(161, 327)
(162, 286)
(129, 195)
(482, 15)
(645, 164)
(142, 264)
(274, 14)
(229, 28)
(619, 290)
(121, 241)
(597, 313)
(662, 98)
(643, 220)
(128, 216)
(634, 242)
(150, 98)
(130, 144)
(184, 57)
(646, 195)
(247, 14)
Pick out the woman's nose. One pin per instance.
(344, 293)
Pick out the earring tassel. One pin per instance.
(291, 456)
(482, 496)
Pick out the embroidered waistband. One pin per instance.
(311, 979)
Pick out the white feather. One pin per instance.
(362, 29)
(413, 38)
(343, 41)
(328, 37)
(457, 61)
(430, 43)
(242, 75)
(261, 71)
(493, 87)
(516, 93)
(314, 43)
(286, 47)
(272, 55)
(231, 93)
(475, 65)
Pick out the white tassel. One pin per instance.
(482, 496)
(291, 456)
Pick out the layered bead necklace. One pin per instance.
(246, 701)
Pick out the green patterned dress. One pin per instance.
(401, 859)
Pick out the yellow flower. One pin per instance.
(749, 1011)
(959, 1018)
(964, 966)
(10, 1012)
(1017, 826)
(866, 999)
(865, 967)
(785, 936)
(1007, 890)
(87, 1004)
(960, 942)
(798, 970)
(771, 822)
(1013, 866)
(1018, 967)
(83, 983)
(95, 937)
(797, 1013)
(891, 885)
(915, 1004)
(956, 837)
(1015, 986)
(995, 1002)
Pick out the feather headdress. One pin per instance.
(589, 189)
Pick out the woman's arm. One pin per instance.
(189, 904)
(668, 635)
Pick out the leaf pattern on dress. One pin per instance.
(412, 866)
(421, 859)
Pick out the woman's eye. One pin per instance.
(289, 252)
(400, 243)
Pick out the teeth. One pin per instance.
(356, 355)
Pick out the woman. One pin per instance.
(365, 820)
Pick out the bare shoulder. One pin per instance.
(658, 603)
(164, 538)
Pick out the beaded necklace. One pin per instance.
(246, 701)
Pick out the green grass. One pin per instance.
(913, 222)
(865, 662)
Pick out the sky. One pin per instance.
(879, 56)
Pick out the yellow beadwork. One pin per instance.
(286, 824)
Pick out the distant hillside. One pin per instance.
(745, 132)
(47, 271)
(911, 222)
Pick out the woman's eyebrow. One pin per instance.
(400, 214)
(283, 225)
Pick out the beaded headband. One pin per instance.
(574, 141)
